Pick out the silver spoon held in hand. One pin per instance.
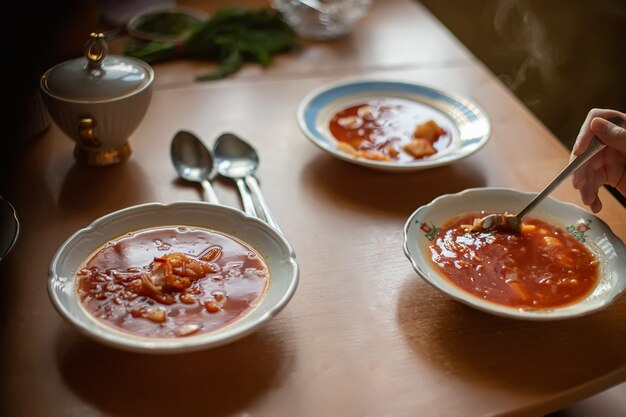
(238, 160)
(194, 162)
(513, 223)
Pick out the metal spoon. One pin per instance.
(510, 222)
(194, 162)
(238, 160)
(9, 227)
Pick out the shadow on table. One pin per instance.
(107, 188)
(488, 350)
(215, 382)
(394, 193)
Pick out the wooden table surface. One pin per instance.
(363, 335)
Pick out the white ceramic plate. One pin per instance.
(469, 124)
(595, 235)
(275, 250)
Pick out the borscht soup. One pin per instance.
(172, 281)
(540, 267)
(390, 129)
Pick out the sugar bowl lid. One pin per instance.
(99, 77)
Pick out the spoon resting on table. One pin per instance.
(513, 223)
(194, 162)
(238, 160)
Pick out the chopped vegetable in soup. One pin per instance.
(172, 281)
(541, 267)
(388, 130)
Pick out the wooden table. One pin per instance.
(363, 335)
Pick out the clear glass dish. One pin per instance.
(322, 19)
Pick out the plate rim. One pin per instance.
(110, 336)
(382, 165)
(500, 309)
(15, 232)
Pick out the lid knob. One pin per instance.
(96, 50)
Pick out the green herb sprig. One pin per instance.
(230, 37)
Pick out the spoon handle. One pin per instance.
(246, 198)
(252, 182)
(209, 192)
(594, 147)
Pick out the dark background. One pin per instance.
(560, 57)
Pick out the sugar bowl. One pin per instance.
(98, 101)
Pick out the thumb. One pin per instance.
(609, 133)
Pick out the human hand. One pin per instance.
(606, 167)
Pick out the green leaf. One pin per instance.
(231, 37)
(227, 66)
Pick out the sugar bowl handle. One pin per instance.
(96, 49)
(87, 133)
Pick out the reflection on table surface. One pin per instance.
(363, 334)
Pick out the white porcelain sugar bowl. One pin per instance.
(98, 101)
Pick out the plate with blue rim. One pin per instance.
(466, 122)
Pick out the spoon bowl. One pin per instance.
(193, 161)
(234, 157)
(234, 160)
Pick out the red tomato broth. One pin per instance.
(111, 289)
(542, 268)
(381, 134)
